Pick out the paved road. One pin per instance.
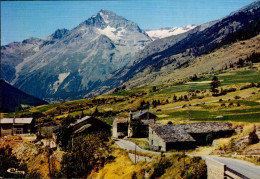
(245, 168)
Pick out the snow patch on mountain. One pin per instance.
(105, 17)
(61, 78)
(109, 32)
(166, 32)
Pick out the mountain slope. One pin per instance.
(179, 50)
(14, 53)
(72, 62)
(12, 98)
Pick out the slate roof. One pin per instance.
(82, 129)
(139, 114)
(80, 120)
(181, 133)
(172, 133)
(206, 127)
(16, 120)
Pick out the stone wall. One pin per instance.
(136, 158)
(114, 130)
(155, 141)
(215, 169)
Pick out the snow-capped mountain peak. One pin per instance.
(166, 32)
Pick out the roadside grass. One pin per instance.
(120, 167)
(143, 143)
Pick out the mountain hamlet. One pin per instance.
(107, 99)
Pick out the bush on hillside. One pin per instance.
(88, 152)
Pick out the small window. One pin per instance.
(152, 142)
(18, 130)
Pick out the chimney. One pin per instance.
(130, 116)
(130, 130)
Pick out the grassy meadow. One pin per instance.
(241, 105)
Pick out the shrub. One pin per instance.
(237, 97)
(138, 127)
(248, 86)
(160, 168)
(88, 152)
(230, 104)
(201, 97)
(210, 137)
(170, 122)
(253, 138)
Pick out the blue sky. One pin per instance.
(23, 19)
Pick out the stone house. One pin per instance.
(167, 137)
(13, 126)
(122, 126)
(199, 131)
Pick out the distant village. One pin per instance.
(140, 125)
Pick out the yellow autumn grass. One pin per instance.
(253, 147)
(162, 115)
(61, 116)
(122, 167)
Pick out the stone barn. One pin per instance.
(200, 131)
(167, 137)
(13, 126)
(122, 126)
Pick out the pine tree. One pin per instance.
(96, 112)
(214, 84)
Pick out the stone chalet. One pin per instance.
(12, 126)
(122, 128)
(185, 136)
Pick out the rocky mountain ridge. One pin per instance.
(107, 50)
(72, 62)
(179, 50)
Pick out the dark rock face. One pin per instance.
(58, 34)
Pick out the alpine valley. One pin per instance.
(108, 51)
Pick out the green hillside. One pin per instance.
(179, 102)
